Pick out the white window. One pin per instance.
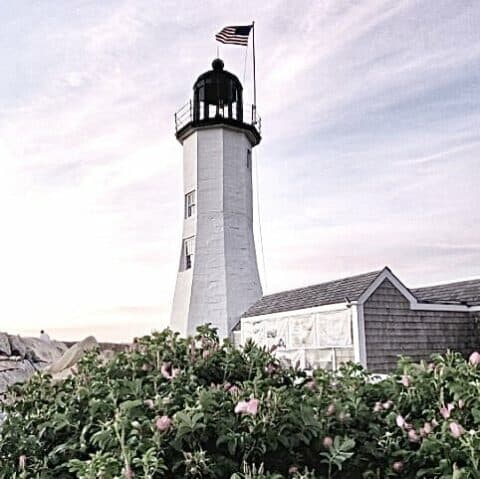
(188, 253)
(190, 204)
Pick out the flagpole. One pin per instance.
(254, 107)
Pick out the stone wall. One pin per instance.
(393, 329)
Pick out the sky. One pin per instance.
(370, 153)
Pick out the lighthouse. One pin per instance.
(217, 279)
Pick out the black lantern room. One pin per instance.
(217, 99)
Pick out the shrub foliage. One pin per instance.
(195, 408)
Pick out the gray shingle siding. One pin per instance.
(312, 296)
(462, 292)
(392, 329)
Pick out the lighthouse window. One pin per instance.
(188, 252)
(249, 159)
(190, 204)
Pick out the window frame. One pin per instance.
(190, 207)
(188, 253)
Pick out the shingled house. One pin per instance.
(371, 318)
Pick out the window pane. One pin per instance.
(188, 253)
(189, 204)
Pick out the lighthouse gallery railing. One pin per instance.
(184, 116)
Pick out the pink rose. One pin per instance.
(163, 423)
(165, 370)
(406, 381)
(241, 407)
(311, 385)
(474, 358)
(413, 436)
(331, 410)
(400, 421)
(378, 407)
(327, 442)
(22, 462)
(456, 430)
(343, 416)
(292, 470)
(252, 407)
(397, 466)
(387, 405)
(427, 427)
(234, 389)
(446, 410)
(247, 407)
(149, 403)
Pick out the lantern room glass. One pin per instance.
(217, 94)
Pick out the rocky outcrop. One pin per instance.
(5, 349)
(21, 357)
(73, 355)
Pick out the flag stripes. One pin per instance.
(235, 35)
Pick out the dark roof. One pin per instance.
(462, 292)
(311, 296)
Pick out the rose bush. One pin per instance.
(195, 408)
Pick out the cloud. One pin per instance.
(369, 153)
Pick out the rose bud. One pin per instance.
(474, 358)
(331, 410)
(397, 466)
(327, 442)
(163, 423)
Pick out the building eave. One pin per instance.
(414, 303)
(316, 309)
(250, 130)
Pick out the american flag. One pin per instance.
(234, 35)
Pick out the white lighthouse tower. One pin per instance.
(217, 275)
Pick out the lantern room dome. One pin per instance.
(217, 93)
(217, 99)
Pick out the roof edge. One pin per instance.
(387, 273)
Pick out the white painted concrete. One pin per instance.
(224, 279)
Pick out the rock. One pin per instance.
(5, 348)
(39, 351)
(73, 355)
(40, 366)
(17, 345)
(8, 364)
(22, 372)
(3, 383)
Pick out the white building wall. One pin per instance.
(224, 280)
(243, 280)
(183, 286)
